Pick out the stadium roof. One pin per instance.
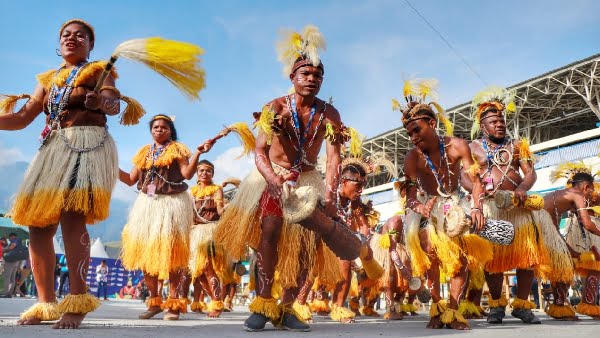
(555, 104)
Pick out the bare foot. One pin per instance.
(69, 321)
(456, 325)
(347, 321)
(214, 314)
(393, 316)
(435, 323)
(151, 312)
(171, 315)
(29, 321)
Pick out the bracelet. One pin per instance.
(475, 209)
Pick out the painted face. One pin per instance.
(75, 42)
(205, 173)
(161, 132)
(307, 80)
(352, 185)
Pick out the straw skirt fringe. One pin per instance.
(527, 250)
(60, 179)
(204, 251)
(560, 264)
(240, 226)
(581, 241)
(156, 237)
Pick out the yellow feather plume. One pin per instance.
(329, 133)
(409, 88)
(525, 153)
(356, 140)
(293, 45)
(448, 126)
(427, 88)
(384, 241)
(378, 160)
(567, 170)
(396, 105)
(474, 169)
(9, 102)
(596, 210)
(178, 62)
(132, 113)
(265, 122)
(245, 135)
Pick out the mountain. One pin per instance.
(11, 177)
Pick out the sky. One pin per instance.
(372, 46)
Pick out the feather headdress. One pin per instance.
(417, 93)
(568, 170)
(372, 164)
(295, 50)
(492, 98)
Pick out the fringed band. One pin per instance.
(267, 307)
(198, 306)
(588, 309)
(175, 305)
(184, 304)
(340, 313)
(560, 267)
(450, 315)
(42, 311)
(303, 311)
(409, 307)
(437, 309)
(78, 304)
(287, 308)
(154, 301)
(216, 305)
(501, 302)
(467, 307)
(560, 311)
(523, 304)
(318, 305)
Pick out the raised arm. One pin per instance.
(219, 201)
(189, 167)
(107, 101)
(26, 114)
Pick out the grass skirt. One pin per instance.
(581, 241)
(60, 179)
(449, 251)
(561, 263)
(240, 226)
(527, 250)
(156, 236)
(204, 251)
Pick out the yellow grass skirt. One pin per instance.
(204, 251)
(156, 236)
(561, 263)
(581, 241)
(60, 179)
(527, 250)
(449, 251)
(240, 226)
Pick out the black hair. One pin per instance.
(103, 261)
(208, 163)
(169, 123)
(354, 169)
(12, 234)
(582, 178)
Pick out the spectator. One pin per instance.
(102, 278)
(64, 274)
(10, 268)
(23, 274)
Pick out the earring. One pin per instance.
(58, 52)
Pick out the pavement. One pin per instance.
(118, 318)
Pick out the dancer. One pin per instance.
(432, 169)
(156, 236)
(70, 181)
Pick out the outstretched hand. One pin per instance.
(206, 146)
(425, 209)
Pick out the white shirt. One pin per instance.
(102, 273)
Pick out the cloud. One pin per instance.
(9, 156)
(124, 193)
(227, 165)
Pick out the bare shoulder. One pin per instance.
(459, 143)
(410, 160)
(332, 115)
(277, 104)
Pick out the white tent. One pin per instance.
(57, 249)
(97, 250)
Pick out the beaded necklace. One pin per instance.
(154, 153)
(494, 159)
(303, 137)
(204, 195)
(441, 189)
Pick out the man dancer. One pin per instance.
(500, 159)
(292, 129)
(432, 169)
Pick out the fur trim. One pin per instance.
(42, 311)
(92, 69)
(267, 307)
(501, 302)
(450, 315)
(173, 152)
(154, 301)
(558, 311)
(340, 313)
(174, 304)
(468, 308)
(523, 304)
(215, 305)
(588, 309)
(78, 304)
(303, 311)
(437, 309)
(320, 306)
